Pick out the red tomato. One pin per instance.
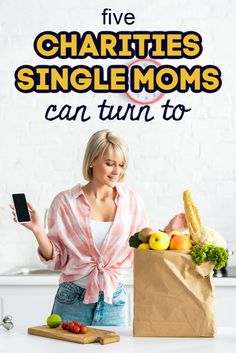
(76, 329)
(76, 323)
(83, 329)
(71, 326)
(64, 325)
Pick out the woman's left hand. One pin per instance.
(177, 223)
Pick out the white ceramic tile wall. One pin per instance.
(42, 158)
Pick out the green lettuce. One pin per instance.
(215, 254)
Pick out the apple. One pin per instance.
(159, 241)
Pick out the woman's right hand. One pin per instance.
(45, 246)
(35, 224)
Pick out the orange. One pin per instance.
(180, 242)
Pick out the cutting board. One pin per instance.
(93, 334)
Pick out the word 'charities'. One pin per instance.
(118, 78)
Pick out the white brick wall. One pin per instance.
(42, 158)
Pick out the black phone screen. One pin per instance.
(21, 208)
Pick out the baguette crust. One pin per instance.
(192, 215)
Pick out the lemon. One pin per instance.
(54, 320)
(144, 246)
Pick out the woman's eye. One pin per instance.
(112, 164)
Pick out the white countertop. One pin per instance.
(18, 340)
(42, 280)
(53, 280)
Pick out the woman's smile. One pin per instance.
(113, 178)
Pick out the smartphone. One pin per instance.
(21, 208)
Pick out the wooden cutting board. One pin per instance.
(93, 334)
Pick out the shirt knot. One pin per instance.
(100, 265)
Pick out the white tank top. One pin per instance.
(99, 232)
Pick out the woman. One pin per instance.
(88, 239)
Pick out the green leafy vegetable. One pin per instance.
(215, 254)
(198, 254)
(134, 241)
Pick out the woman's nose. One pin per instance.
(116, 169)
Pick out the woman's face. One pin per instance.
(109, 168)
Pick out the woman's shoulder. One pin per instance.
(67, 195)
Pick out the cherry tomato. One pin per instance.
(71, 326)
(76, 323)
(76, 329)
(64, 325)
(83, 329)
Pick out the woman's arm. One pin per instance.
(45, 246)
(177, 223)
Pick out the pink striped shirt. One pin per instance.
(74, 250)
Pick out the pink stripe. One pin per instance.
(74, 251)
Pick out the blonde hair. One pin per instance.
(97, 146)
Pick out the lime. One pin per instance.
(54, 320)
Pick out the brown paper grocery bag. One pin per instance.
(172, 295)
